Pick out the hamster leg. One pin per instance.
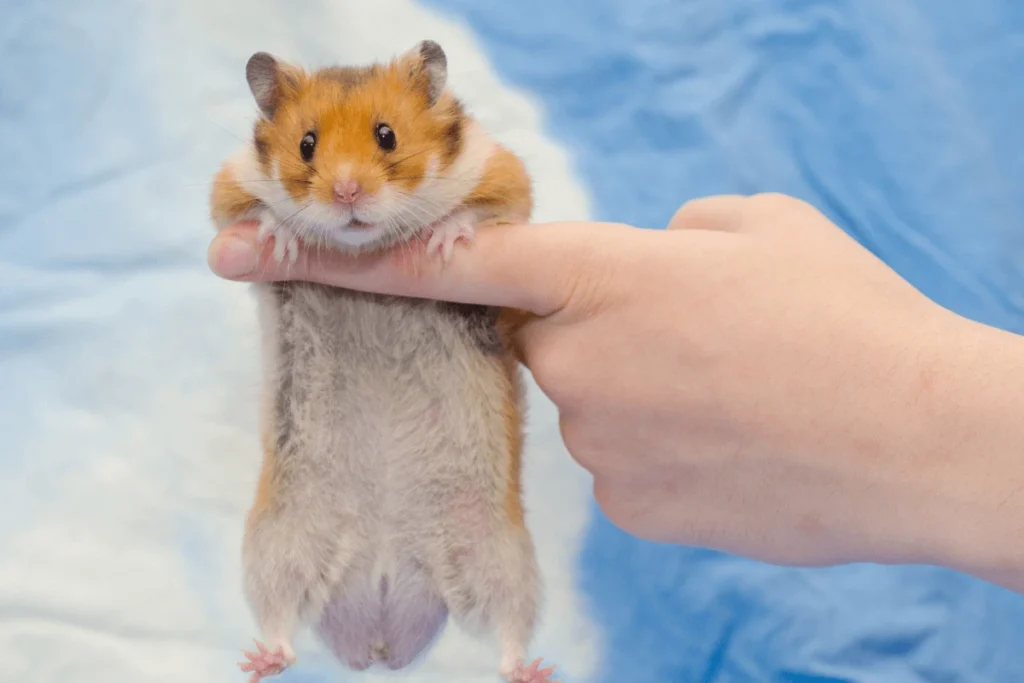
(291, 561)
(490, 581)
(515, 584)
(446, 232)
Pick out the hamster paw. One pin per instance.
(447, 232)
(265, 663)
(532, 673)
(285, 244)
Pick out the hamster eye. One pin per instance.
(385, 137)
(307, 146)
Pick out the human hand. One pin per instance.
(750, 380)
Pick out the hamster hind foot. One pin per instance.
(530, 674)
(265, 663)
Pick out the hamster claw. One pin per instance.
(292, 250)
(279, 249)
(285, 245)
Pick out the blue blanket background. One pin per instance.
(901, 119)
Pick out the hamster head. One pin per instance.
(359, 158)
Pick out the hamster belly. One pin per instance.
(396, 413)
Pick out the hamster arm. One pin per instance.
(229, 202)
(504, 193)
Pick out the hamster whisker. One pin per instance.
(405, 158)
(228, 182)
(302, 165)
(412, 214)
(311, 229)
(247, 141)
(420, 207)
(423, 177)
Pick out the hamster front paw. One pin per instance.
(285, 243)
(446, 232)
(265, 663)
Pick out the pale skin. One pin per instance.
(749, 380)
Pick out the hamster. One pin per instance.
(389, 497)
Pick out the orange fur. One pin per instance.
(228, 201)
(504, 190)
(510, 321)
(264, 498)
(343, 107)
(504, 195)
(514, 430)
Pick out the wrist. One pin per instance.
(971, 454)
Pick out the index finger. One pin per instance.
(534, 267)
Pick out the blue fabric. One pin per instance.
(901, 119)
(127, 446)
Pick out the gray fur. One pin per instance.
(393, 479)
(432, 65)
(481, 325)
(348, 76)
(262, 73)
(284, 428)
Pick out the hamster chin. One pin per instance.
(354, 231)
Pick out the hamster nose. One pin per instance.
(347, 191)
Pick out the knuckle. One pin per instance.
(610, 503)
(591, 256)
(686, 214)
(553, 366)
(716, 212)
(577, 442)
(621, 507)
(584, 283)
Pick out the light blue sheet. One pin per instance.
(899, 118)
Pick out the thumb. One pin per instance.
(533, 267)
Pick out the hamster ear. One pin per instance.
(428, 66)
(269, 80)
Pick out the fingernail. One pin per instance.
(233, 257)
